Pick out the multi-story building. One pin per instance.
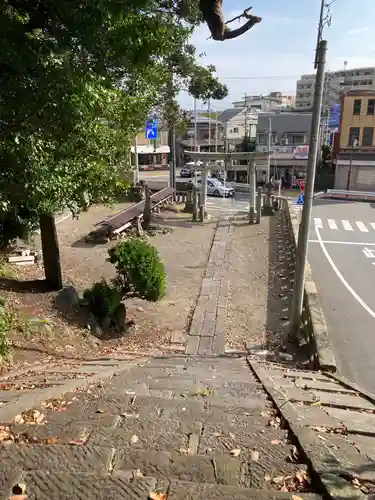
(151, 152)
(237, 123)
(266, 103)
(355, 151)
(336, 82)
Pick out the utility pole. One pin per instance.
(303, 236)
(195, 125)
(136, 163)
(269, 149)
(245, 115)
(216, 132)
(209, 124)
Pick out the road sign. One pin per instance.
(301, 184)
(151, 129)
(300, 199)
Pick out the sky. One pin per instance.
(273, 54)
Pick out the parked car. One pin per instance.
(216, 187)
(186, 172)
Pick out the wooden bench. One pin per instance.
(122, 220)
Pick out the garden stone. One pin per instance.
(106, 323)
(119, 318)
(67, 299)
(93, 326)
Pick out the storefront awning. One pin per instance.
(150, 150)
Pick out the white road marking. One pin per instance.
(361, 226)
(372, 224)
(347, 226)
(332, 224)
(341, 277)
(318, 223)
(58, 221)
(369, 253)
(332, 242)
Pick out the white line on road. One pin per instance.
(318, 223)
(332, 224)
(330, 242)
(341, 277)
(361, 226)
(372, 224)
(347, 225)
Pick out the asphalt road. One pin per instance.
(342, 259)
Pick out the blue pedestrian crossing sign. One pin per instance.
(151, 129)
(300, 199)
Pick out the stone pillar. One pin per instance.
(252, 188)
(203, 198)
(259, 204)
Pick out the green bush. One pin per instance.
(139, 268)
(102, 299)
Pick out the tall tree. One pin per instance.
(77, 80)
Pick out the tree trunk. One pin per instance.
(51, 252)
(147, 209)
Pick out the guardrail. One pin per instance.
(351, 195)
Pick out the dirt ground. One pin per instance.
(261, 284)
(159, 327)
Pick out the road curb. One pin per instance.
(317, 455)
(314, 322)
(106, 369)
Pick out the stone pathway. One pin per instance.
(207, 329)
(175, 428)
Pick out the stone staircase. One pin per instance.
(172, 427)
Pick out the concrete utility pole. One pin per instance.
(269, 149)
(246, 115)
(195, 125)
(303, 236)
(216, 132)
(136, 163)
(209, 124)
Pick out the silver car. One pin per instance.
(216, 187)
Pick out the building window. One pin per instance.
(235, 130)
(357, 107)
(353, 135)
(371, 107)
(367, 136)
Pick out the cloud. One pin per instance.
(357, 31)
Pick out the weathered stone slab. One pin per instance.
(322, 386)
(354, 421)
(344, 400)
(205, 346)
(192, 344)
(56, 457)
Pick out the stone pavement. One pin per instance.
(171, 427)
(207, 329)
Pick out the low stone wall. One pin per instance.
(314, 327)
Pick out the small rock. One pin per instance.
(140, 309)
(285, 356)
(93, 326)
(119, 318)
(106, 322)
(67, 298)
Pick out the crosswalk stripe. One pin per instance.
(332, 224)
(372, 224)
(318, 223)
(347, 226)
(361, 226)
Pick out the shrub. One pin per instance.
(139, 268)
(102, 299)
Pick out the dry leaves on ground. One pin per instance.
(300, 481)
(157, 495)
(32, 417)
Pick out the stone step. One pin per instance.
(42, 485)
(164, 466)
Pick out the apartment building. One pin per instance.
(266, 103)
(335, 83)
(151, 153)
(355, 153)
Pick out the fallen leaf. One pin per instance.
(267, 478)
(52, 440)
(183, 451)
(319, 428)
(254, 456)
(5, 434)
(99, 410)
(278, 479)
(235, 452)
(276, 441)
(356, 483)
(19, 489)
(316, 403)
(77, 442)
(265, 414)
(138, 473)
(296, 497)
(302, 477)
(203, 392)
(156, 495)
(231, 435)
(18, 419)
(134, 439)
